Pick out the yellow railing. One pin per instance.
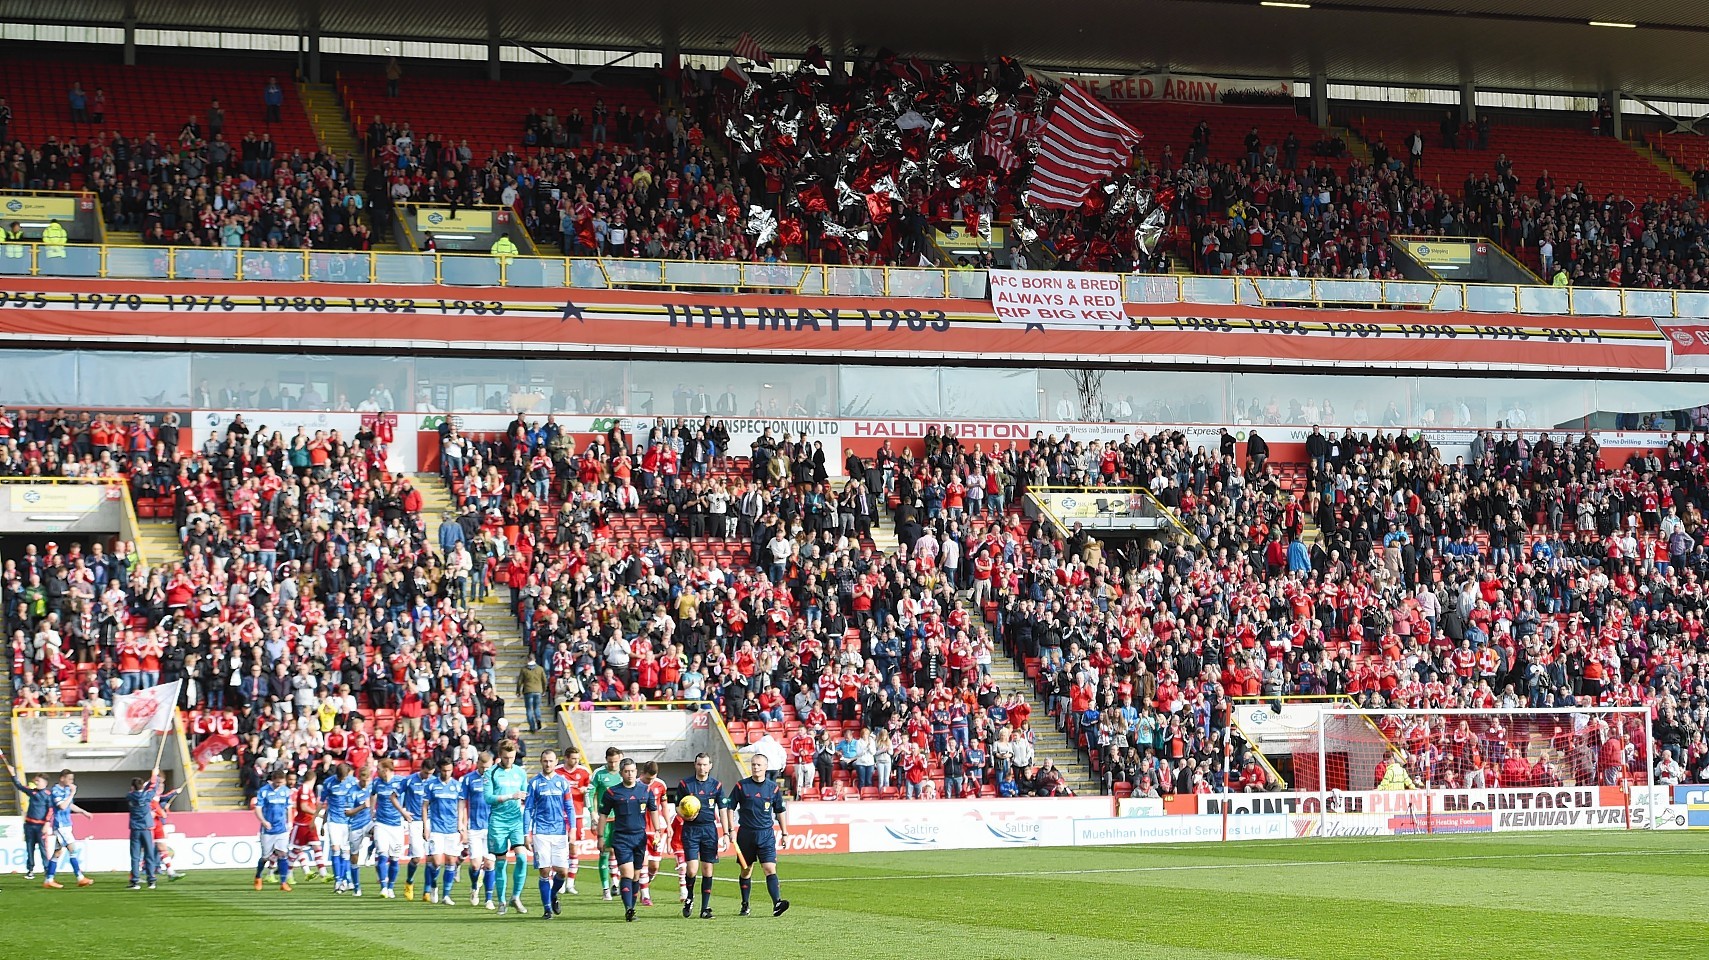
(98, 261)
(124, 488)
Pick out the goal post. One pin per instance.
(1423, 763)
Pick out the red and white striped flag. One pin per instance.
(747, 49)
(998, 149)
(1081, 144)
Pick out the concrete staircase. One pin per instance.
(8, 793)
(218, 787)
(1075, 767)
(1665, 164)
(332, 125)
(494, 614)
(1356, 145)
(158, 541)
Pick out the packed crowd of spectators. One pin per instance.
(1332, 217)
(802, 618)
(202, 185)
(612, 183)
(644, 183)
(1537, 571)
(307, 594)
(1533, 573)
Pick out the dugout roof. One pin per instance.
(1500, 44)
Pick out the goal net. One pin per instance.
(1359, 772)
(1355, 749)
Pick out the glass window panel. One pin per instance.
(1691, 303)
(1409, 294)
(738, 390)
(190, 263)
(813, 282)
(854, 281)
(335, 267)
(1595, 302)
(1350, 291)
(642, 272)
(75, 262)
(889, 391)
(44, 377)
(1677, 406)
(1649, 303)
(1547, 301)
(120, 379)
(917, 283)
(1482, 298)
(469, 271)
(1151, 288)
(1207, 289)
(1281, 288)
(535, 272)
(785, 276)
(1449, 296)
(18, 264)
(969, 284)
(587, 275)
(142, 263)
(273, 265)
(404, 267)
(1510, 402)
(700, 273)
(1304, 399)
(1146, 396)
(501, 385)
(245, 381)
(988, 393)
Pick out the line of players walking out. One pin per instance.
(496, 819)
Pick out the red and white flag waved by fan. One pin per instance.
(1082, 143)
(149, 710)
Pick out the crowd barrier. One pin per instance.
(204, 841)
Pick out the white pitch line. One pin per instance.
(1247, 865)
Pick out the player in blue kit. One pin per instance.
(756, 805)
(389, 816)
(550, 817)
(626, 807)
(447, 833)
(700, 834)
(480, 858)
(359, 811)
(272, 806)
(415, 828)
(60, 839)
(335, 797)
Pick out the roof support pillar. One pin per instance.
(1320, 99)
(130, 33)
(1468, 102)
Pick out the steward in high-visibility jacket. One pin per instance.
(12, 241)
(53, 238)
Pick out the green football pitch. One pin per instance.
(1562, 896)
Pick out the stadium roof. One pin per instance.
(1544, 45)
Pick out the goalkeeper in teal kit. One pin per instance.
(506, 788)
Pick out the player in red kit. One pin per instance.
(159, 805)
(306, 847)
(580, 777)
(657, 839)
